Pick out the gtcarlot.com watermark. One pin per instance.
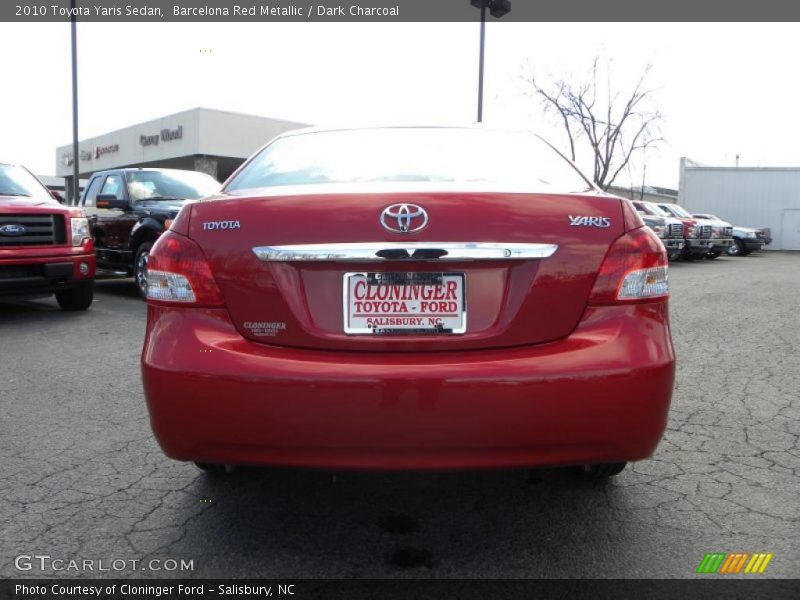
(45, 562)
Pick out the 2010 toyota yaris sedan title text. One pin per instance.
(406, 298)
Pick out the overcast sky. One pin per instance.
(722, 88)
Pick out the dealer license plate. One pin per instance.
(404, 303)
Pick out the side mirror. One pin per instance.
(57, 196)
(110, 201)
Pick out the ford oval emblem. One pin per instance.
(12, 229)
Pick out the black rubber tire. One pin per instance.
(713, 255)
(212, 469)
(77, 298)
(674, 256)
(603, 471)
(736, 248)
(140, 268)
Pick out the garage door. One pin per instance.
(790, 230)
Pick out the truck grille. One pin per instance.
(704, 231)
(675, 230)
(728, 232)
(40, 230)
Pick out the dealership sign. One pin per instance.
(166, 135)
(99, 151)
(96, 152)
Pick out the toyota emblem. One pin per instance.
(404, 218)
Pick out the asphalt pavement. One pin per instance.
(83, 479)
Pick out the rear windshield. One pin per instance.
(156, 185)
(17, 182)
(411, 155)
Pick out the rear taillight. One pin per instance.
(634, 270)
(178, 273)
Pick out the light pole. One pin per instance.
(75, 156)
(498, 9)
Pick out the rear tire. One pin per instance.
(77, 298)
(603, 471)
(140, 268)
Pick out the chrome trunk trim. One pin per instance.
(392, 251)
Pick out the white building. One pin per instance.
(213, 141)
(746, 196)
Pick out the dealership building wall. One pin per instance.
(746, 196)
(212, 141)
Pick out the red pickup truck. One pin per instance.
(45, 248)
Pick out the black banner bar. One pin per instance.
(715, 587)
(369, 11)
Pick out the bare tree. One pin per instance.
(614, 125)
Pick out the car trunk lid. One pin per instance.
(526, 262)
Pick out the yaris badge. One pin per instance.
(404, 218)
(589, 221)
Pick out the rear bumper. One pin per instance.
(600, 395)
(24, 276)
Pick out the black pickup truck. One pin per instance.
(129, 208)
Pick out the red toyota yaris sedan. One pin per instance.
(408, 298)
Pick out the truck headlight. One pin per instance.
(751, 234)
(80, 230)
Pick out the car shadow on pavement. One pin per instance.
(19, 308)
(354, 524)
(124, 288)
(33, 307)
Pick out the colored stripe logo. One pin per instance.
(735, 563)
